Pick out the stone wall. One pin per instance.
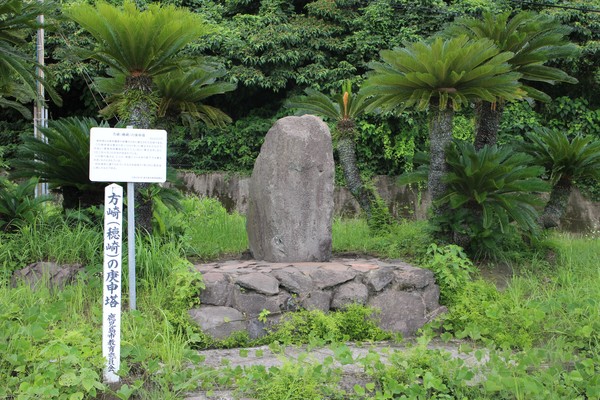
(238, 292)
(582, 214)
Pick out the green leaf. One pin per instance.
(68, 379)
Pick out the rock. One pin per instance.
(407, 297)
(218, 322)
(324, 278)
(52, 274)
(218, 293)
(409, 277)
(316, 300)
(400, 311)
(295, 282)
(378, 279)
(259, 282)
(258, 329)
(431, 297)
(252, 303)
(290, 207)
(349, 293)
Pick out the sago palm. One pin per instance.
(185, 94)
(343, 108)
(441, 76)
(62, 161)
(180, 94)
(140, 45)
(18, 77)
(489, 190)
(566, 161)
(534, 39)
(18, 204)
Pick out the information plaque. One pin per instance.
(128, 155)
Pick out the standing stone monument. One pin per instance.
(290, 204)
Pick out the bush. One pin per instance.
(18, 204)
(62, 161)
(490, 193)
(452, 269)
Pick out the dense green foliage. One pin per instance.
(537, 338)
(18, 74)
(540, 332)
(566, 160)
(62, 160)
(18, 204)
(491, 192)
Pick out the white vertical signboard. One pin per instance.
(111, 298)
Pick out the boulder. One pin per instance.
(349, 293)
(46, 273)
(218, 322)
(402, 312)
(290, 206)
(259, 282)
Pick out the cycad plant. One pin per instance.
(62, 161)
(139, 44)
(566, 160)
(17, 76)
(179, 94)
(490, 191)
(18, 204)
(185, 93)
(342, 108)
(534, 39)
(441, 76)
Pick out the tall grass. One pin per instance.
(205, 229)
(407, 239)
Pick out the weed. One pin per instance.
(452, 269)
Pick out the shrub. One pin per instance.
(490, 193)
(18, 204)
(452, 269)
(62, 161)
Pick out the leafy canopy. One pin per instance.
(562, 157)
(185, 93)
(18, 77)
(60, 160)
(179, 92)
(498, 182)
(534, 39)
(449, 72)
(343, 107)
(136, 42)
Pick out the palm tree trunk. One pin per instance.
(347, 155)
(141, 115)
(440, 135)
(488, 123)
(557, 205)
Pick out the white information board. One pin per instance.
(128, 155)
(111, 294)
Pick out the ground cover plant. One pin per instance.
(537, 338)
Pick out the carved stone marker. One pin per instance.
(290, 205)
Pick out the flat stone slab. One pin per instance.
(352, 373)
(407, 296)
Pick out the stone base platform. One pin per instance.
(237, 292)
